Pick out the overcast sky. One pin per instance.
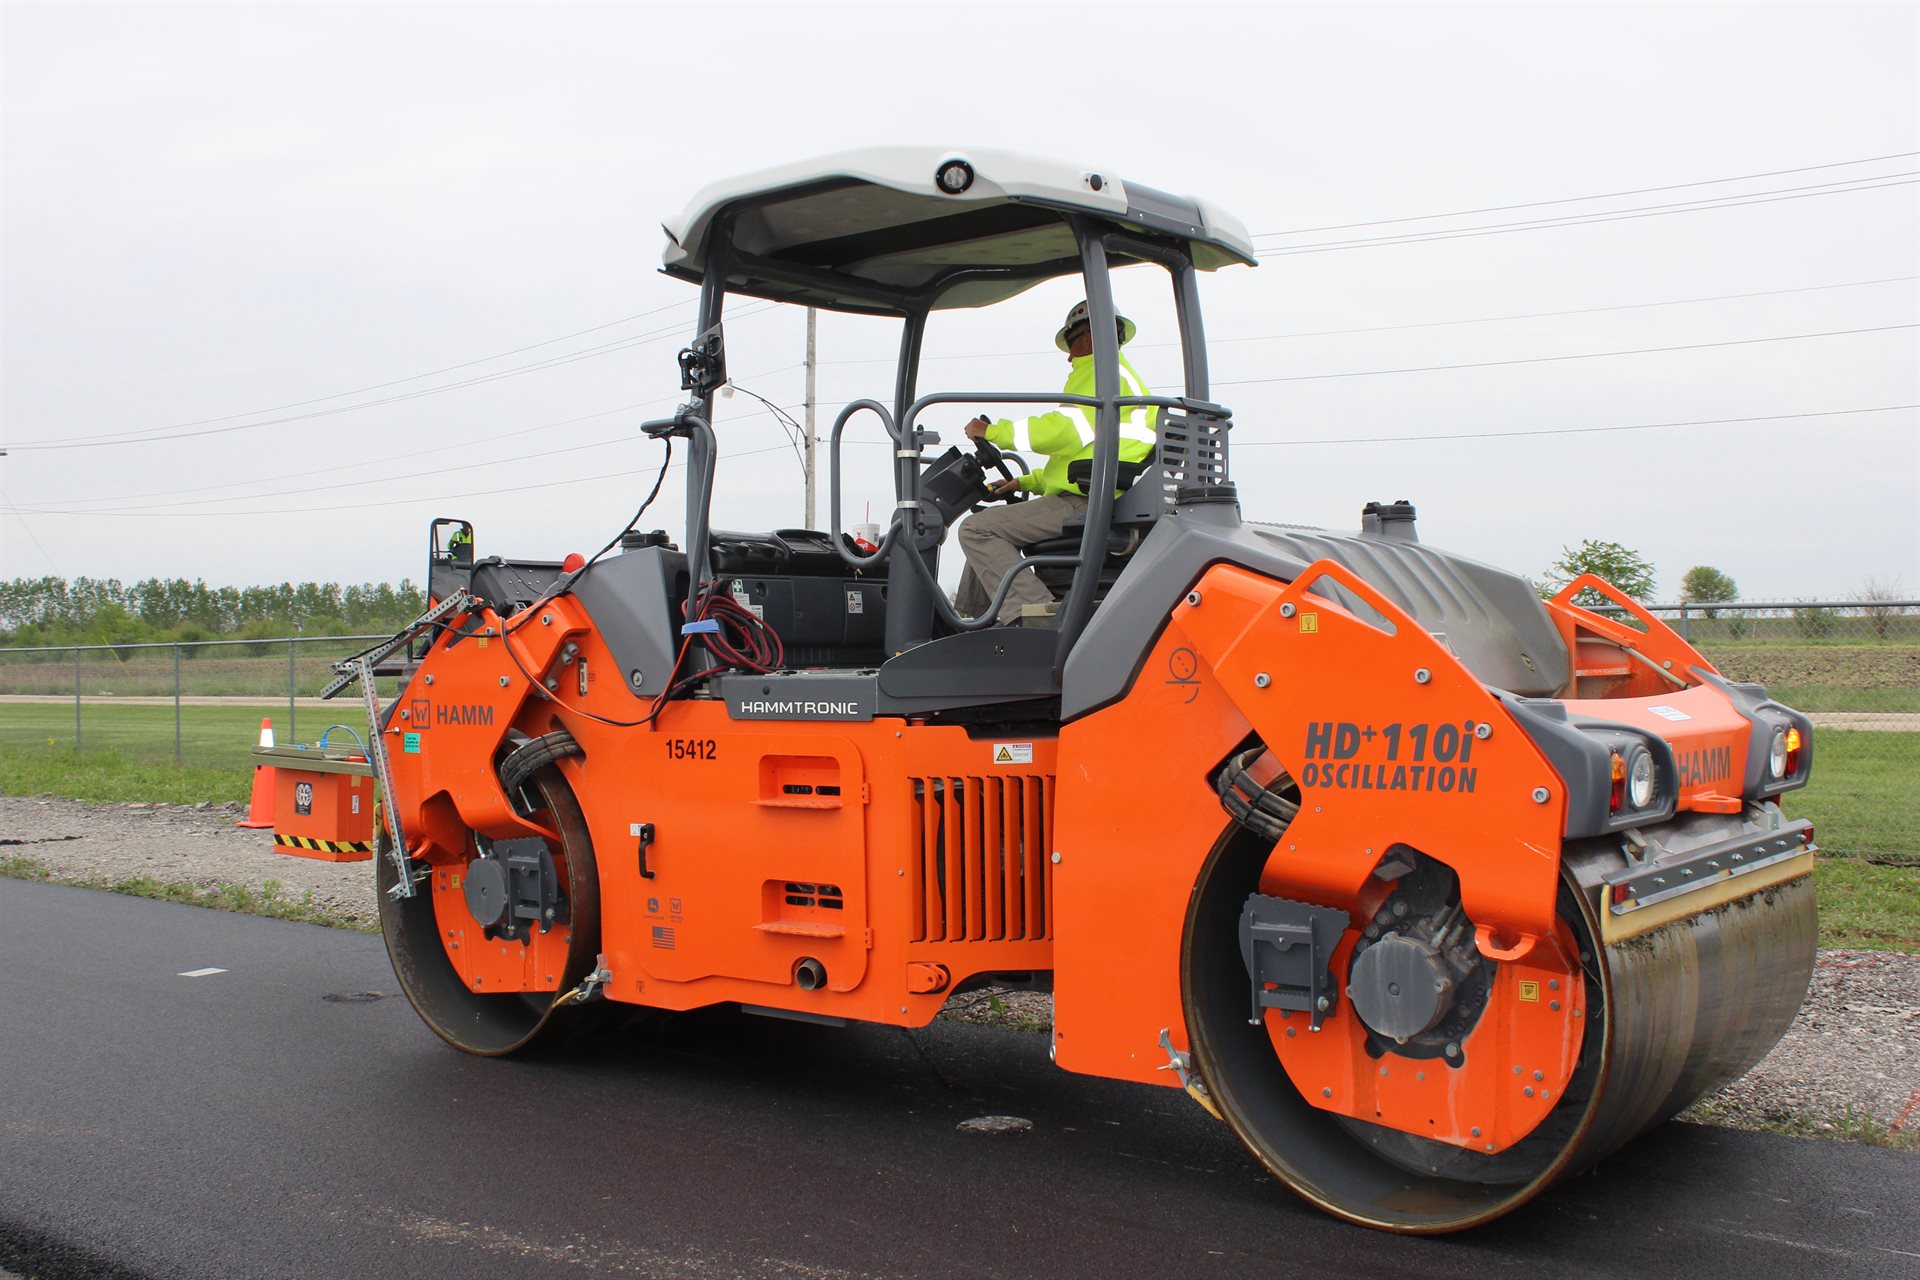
(211, 212)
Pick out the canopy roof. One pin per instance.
(873, 231)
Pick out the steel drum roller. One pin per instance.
(1677, 1011)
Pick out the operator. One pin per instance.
(992, 539)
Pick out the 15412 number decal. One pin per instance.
(692, 749)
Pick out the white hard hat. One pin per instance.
(1080, 315)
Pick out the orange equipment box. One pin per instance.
(323, 802)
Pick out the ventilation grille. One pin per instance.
(826, 896)
(1193, 450)
(981, 871)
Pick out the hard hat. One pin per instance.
(1080, 315)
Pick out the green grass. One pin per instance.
(210, 737)
(1867, 906)
(1862, 799)
(108, 776)
(271, 901)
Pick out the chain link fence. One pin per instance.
(198, 702)
(1853, 665)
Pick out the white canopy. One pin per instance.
(862, 230)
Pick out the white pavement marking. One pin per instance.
(199, 973)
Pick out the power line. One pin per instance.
(1568, 431)
(387, 459)
(1245, 444)
(28, 529)
(1465, 233)
(1711, 202)
(624, 344)
(1581, 355)
(1427, 324)
(383, 460)
(160, 432)
(1590, 355)
(159, 507)
(410, 501)
(1549, 315)
(1604, 195)
(381, 386)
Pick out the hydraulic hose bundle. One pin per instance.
(1265, 809)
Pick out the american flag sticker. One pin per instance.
(663, 937)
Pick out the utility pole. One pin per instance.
(811, 324)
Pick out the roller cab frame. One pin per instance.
(1434, 891)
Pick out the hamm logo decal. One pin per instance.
(449, 715)
(1709, 764)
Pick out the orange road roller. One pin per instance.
(1432, 890)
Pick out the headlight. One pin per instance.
(1777, 756)
(1640, 789)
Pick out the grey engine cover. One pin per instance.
(1492, 620)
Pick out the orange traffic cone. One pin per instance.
(260, 804)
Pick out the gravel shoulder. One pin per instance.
(1848, 1067)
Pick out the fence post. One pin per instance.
(76, 702)
(178, 758)
(1683, 621)
(293, 733)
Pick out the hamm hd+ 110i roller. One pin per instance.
(1433, 891)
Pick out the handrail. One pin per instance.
(833, 484)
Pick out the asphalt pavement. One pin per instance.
(270, 1119)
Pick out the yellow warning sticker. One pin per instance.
(1013, 753)
(1530, 992)
(483, 642)
(1309, 623)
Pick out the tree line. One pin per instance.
(1633, 573)
(51, 611)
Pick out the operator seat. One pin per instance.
(1143, 497)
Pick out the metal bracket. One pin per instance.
(360, 667)
(590, 986)
(1181, 1064)
(348, 669)
(1288, 947)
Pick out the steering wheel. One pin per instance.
(991, 458)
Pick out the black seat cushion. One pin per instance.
(1081, 473)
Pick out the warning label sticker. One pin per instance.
(1670, 713)
(1013, 753)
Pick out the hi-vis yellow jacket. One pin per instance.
(1066, 434)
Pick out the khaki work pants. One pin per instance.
(992, 540)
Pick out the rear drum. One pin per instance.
(497, 1023)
